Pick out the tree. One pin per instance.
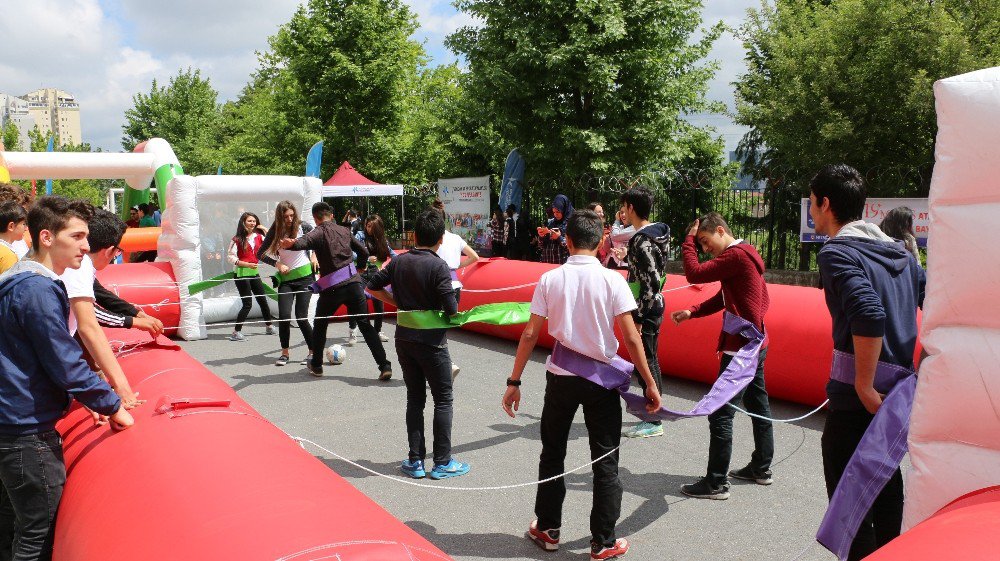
(596, 87)
(850, 81)
(184, 113)
(353, 63)
(11, 136)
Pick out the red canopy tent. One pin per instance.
(347, 182)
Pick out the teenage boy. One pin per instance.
(339, 285)
(873, 288)
(42, 367)
(740, 269)
(13, 225)
(457, 255)
(83, 317)
(648, 251)
(422, 281)
(583, 302)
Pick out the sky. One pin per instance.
(106, 51)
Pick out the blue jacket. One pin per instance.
(873, 289)
(41, 365)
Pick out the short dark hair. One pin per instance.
(641, 199)
(585, 229)
(593, 206)
(322, 209)
(143, 208)
(53, 212)
(106, 230)
(11, 211)
(844, 187)
(711, 221)
(429, 227)
(11, 192)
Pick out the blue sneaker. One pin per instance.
(414, 469)
(644, 430)
(454, 468)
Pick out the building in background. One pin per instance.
(50, 109)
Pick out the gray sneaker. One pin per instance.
(269, 330)
(237, 336)
(352, 337)
(454, 371)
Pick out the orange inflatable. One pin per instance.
(202, 476)
(139, 239)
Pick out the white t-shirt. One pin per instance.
(79, 284)
(581, 300)
(451, 251)
(20, 248)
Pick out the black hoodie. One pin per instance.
(873, 288)
(648, 251)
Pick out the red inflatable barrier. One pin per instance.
(151, 284)
(202, 476)
(962, 530)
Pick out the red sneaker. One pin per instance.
(599, 552)
(545, 539)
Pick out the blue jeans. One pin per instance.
(32, 475)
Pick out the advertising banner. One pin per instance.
(467, 206)
(875, 210)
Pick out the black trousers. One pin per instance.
(249, 289)
(841, 434)
(32, 475)
(330, 300)
(650, 346)
(378, 307)
(425, 365)
(602, 412)
(292, 295)
(720, 427)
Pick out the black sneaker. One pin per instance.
(316, 371)
(748, 474)
(282, 360)
(705, 490)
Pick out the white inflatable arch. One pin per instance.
(200, 220)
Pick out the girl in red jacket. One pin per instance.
(243, 254)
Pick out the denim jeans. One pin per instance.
(426, 365)
(720, 427)
(650, 345)
(841, 434)
(32, 475)
(330, 300)
(602, 413)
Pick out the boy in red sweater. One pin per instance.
(740, 269)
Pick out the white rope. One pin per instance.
(503, 289)
(453, 488)
(809, 414)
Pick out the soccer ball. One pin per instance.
(336, 354)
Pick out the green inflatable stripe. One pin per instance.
(240, 272)
(502, 313)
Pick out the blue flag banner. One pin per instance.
(314, 160)
(49, 148)
(512, 186)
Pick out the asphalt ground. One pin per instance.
(351, 413)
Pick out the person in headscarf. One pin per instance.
(552, 236)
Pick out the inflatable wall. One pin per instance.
(955, 425)
(200, 220)
(202, 476)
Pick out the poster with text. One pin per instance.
(875, 210)
(467, 206)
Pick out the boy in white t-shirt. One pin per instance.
(452, 248)
(103, 239)
(582, 301)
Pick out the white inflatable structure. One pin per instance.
(955, 425)
(201, 219)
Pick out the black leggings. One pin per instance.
(379, 308)
(294, 295)
(250, 288)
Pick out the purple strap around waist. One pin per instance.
(617, 374)
(340, 275)
(886, 374)
(454, 274)
(876, 458)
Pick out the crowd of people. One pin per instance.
(51, 302)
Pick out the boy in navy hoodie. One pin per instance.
(740, 270)
(873, 287)
(42, 367)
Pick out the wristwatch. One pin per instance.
(513, 382)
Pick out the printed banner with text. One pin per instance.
(467, 205)
(875, 210)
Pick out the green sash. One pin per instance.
(239, 273)
(294, 274)
(503, 313)
(634, 287)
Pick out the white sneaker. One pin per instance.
(454, 371)
(352, 337)
(383, 337)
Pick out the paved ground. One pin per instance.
(349, 412)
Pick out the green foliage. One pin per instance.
(851, 81)
(185, 113)
(584, 87)
(10, 136)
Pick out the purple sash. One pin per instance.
(877, 456)
(340, 275)
(617, 375)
